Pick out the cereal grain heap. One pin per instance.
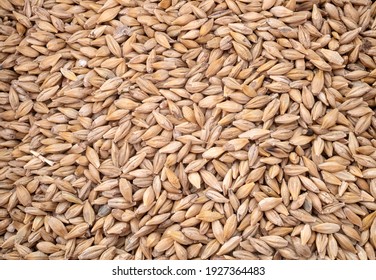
(179, 129)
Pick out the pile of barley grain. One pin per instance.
(180, 129)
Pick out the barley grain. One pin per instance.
(184, 130)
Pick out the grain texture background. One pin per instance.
(214, 129)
